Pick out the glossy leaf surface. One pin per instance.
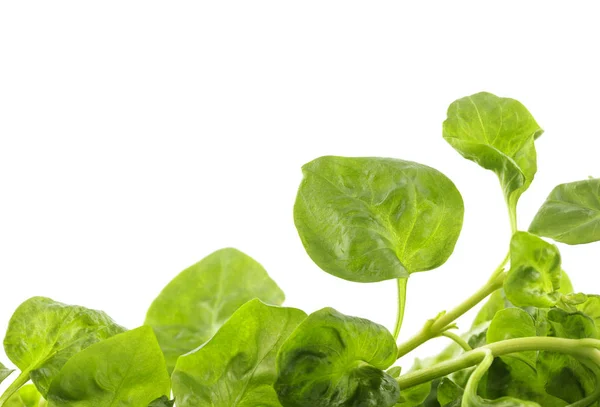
(498, 134)
(194, 305)
(571, 213)
(127, 370)
(374, 219)
(333, 360)
(535, 274)
(236, 367)
(43, 334)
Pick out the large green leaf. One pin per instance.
(27, 396)
(236, 367)
(194, 305)
(4, 372)
(512, 323)
(333, 360)
(535, 274)
(571, 213)
(127, 370)
(44, 334)
(498, 134)
(373, 219)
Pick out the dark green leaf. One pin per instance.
(236, 367)
(535, 274)
(194, 305)
(43, 334)
(513, 323)
(571, 213)
(373, 219)
(333, 360)
(127, 370)
(162, 402)
(498, 134)
(449, 394)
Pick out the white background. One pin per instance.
(138, 137)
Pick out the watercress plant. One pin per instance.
(218, 336)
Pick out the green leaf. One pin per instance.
(194, 305)
(472, 399)
(162, 402)
(127, 370)
(591, 308)
(236, 367)
(498, 134)
(535, 274)
(571, 213)
(495, 303)
(374, 219)
(449, 394)
(44, 334)
(512, 323)
(333, 360)
(416, 395)
(4, 372)
(27, 396)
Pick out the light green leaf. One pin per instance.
(413, 396)
(43, 334)
(127, 370)
(4, 372)
(335, 360)
(27, 396)
(498, 134)
(591, 308)
(571, 213)
(374, 219)
(513, 323)
(236, 367)
(194, 305)
(535, 275)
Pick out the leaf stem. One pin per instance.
(436, 326)
(580, 348)
(456, 338)
(14, 386)
(402, 283)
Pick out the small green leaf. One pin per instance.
(43, 334)
(512, 323)
(194, 305)
(535, 274)
(4, 372)
(127, 370)
(571, 213)
(591, 308)
(162, 402)
(236, 367)
(498, 134)
(449, 394)
(335, 360)
(27, 396)
(374, 219)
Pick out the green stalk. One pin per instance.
(402, 282)
(456, 338)
(14, 386)
(579, 348)
(435, 327)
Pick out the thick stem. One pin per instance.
(402, 282)
(435, 327)
(14, 386)
(580, 348)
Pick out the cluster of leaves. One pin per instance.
(218, 336)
